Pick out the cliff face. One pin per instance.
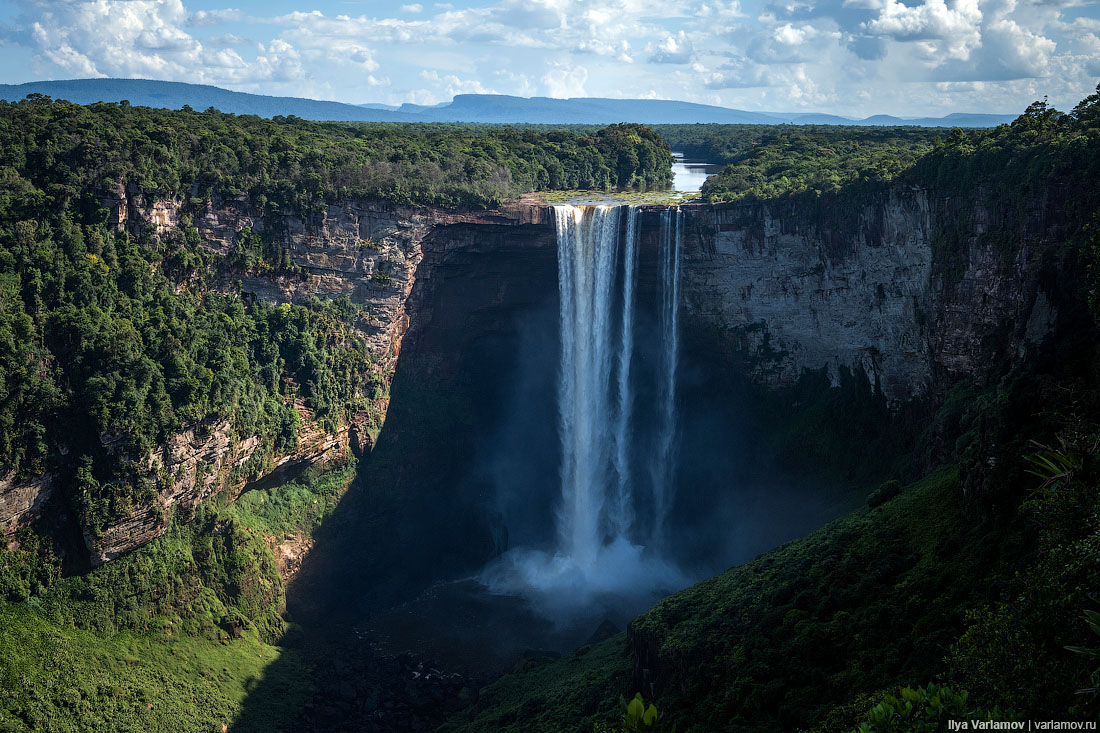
(22, 501)
(907, 286)
(366, 250)
(796, 293)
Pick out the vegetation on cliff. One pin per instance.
(173, 636)
(114, 343)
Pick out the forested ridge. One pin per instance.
(57, 152)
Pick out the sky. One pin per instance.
(850, 57)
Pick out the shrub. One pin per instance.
(886, 491)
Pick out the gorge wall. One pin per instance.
(914, 289)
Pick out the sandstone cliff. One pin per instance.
(913, 289)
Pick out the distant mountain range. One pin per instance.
(485, 108)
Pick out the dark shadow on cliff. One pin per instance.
(417, 511)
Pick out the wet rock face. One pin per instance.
(799, 292)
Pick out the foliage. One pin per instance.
(28, 566)
(1061, 465)
(174, 635)
(926, 708)
(869, 600)
(62, 154)
(637, 717)
(886, 491)
(296, 507)
(768, 161)
(1013, 652)
(1092, 618)
(54, 677)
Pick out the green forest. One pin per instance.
(55, 152)
(768, 161)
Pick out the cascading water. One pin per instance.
(586, 260)
(664, 456)
(600, 549)
(623, 516)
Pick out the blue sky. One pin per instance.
(855, 57)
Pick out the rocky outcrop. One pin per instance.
(22, 500)
(199, 462)
(190, 466)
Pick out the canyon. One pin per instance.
(857, 283)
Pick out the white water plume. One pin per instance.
(623, 516)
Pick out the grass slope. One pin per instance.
(55, 677)
(174, 636)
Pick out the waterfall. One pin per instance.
(595, 387)
(587, 239)
(605, 545)
(623, 516)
